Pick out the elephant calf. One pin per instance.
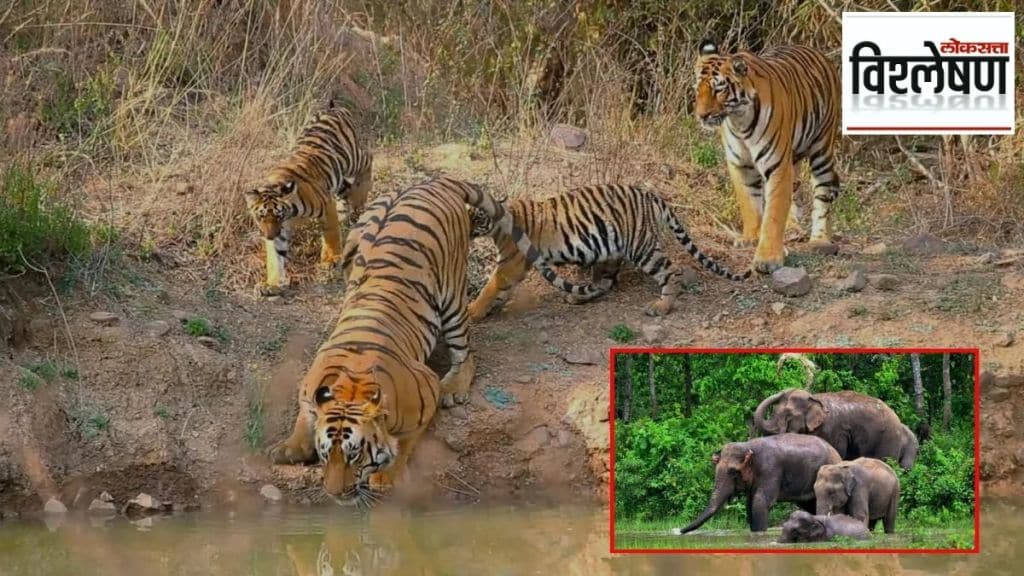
(803, 526)
(774, 468)
(865, 488)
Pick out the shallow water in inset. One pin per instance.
(467, 540)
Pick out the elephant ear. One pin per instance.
(816, 413)
(716, 457)
(849, 482)
(746, 470)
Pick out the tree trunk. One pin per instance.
(650, 384)
(687, 386)
(915, 364)
(624, 380)
(947, 394)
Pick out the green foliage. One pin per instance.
(622, 334)
(663, 467)
(705, 155)
(35, 223)
(254, 421)
(73, 110)
(198, 326)
(29, 380)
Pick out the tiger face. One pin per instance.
(723, 86)
(352, 440)
(270, 205)
(480, 224)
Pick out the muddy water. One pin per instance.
(469, 540)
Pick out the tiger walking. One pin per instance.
(599, 226)
(369, 394)
(773, 110)
(327, 165)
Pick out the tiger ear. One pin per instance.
(739, 66)
(708, 47)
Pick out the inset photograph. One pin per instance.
(794, 450)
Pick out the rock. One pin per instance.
(876, 249)
(271, 493)
(668, 171)
(986, 258)
(1018, 456)
(583, 357)
(705, 324)
(40, 330)
(1009, 381)
(142, 505)
(100, 506)
(758, 322)
(1006, 340)
(791, 282)
(543, 337)
(568, 137)
(106, 497)
(54, 506)
(688, 276)
(157, 328)
(210, 342)
(180, 315)
(105, 318)
(459, 412)
(884, 282)
(524, 379)
(652, 333)
(824, 248)
(779, 308)
(564, 437)
(924, 245)
(999, 394)
(854, 282)
(534, 440)
(182, 188)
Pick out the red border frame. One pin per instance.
(647, 350)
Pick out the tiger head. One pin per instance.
(270, 205)
(352, 440)
(724, 88)
(480, 223)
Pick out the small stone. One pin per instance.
(1018, 456)
(583, 357)
(534, 440)
(705, 324)
(688, 277)
(667, 170)
(876, 249)
(459, 412)
(54, 506)
(106, 497)
(854, 282)
(524, 379)
(1006, 340)
(884, 282)
(564, 437)
(1009, 380)
(568, 137)
(824, 248)
(652, 333)
(271, 493)
(924, 245)
(758, 322)
(182, 188)
(180, 315)
(791, 282)
(141, 505)
(209, 342)
(275, 298)
(104, 318)
(100, 506)
(157, 328)
(999, 394)
(779, 308)
(543, 337)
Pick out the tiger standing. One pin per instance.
(369, 394)
(327, 165)
(596, 226)
(773, 110)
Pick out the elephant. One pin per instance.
(802, 526)
(866, 489)
(774, 468)
(856, 425)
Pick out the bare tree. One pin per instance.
(947, 394)
(915, 365)
(650, 383)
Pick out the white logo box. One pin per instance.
(981, 35)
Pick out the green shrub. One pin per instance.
(622, 334)
(36, 224)
(73, 110)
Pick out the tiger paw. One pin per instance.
(745, 242)
(285, 453)
(451, 399)
(767, 265)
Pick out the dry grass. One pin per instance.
(156, 115)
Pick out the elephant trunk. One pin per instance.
(718, 497)
(759, 420)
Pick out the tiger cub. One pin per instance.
(597, 226)
(328, 164)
